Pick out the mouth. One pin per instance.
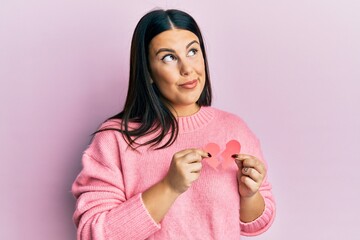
(189, 84)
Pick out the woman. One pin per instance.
(146, 173)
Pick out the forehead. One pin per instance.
(174, 38)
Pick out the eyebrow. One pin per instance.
(172, 50)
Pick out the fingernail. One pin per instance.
(245, 169)
(234, 156)
(209, 154)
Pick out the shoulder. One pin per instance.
(225, 117)
(233, 122)
(107, 138)
(117, 123)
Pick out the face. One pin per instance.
(178, 69)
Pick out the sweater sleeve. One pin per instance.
(265, 220)
(103, 211)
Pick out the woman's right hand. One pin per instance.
(184, 169)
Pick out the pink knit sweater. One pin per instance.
(109, 187)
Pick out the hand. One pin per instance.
(184, 169)
(250, 175)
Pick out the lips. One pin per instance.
(189, 84)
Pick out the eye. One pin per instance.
(168, 58)
(192, 52)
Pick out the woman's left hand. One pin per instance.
(250, 175)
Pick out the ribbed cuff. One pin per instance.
(131, 220)
(262, 223)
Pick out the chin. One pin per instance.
(191, 101)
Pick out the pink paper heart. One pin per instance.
(232, 147)
(214, 150)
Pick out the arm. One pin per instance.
(158, 199)
(184, 169)
(266, 207)
(251, 207)
(257, 205)
(103, 211)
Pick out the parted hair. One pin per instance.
(143, 103)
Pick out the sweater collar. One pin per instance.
(196, 121)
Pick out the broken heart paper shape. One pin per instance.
(224, 159)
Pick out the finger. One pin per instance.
(253, 174)
(242, 156)
(253, 162)
(183, 152)
(194, 176)
(195, 167)
(249, 161)
(201, 152)
(195, 156)
(239, 164)
(257, 166)
(191, 157)
(250, 183)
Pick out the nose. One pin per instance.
(185, 68)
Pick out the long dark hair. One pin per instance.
(143, 102)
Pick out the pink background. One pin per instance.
(291, 69)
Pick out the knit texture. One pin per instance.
(109, 187)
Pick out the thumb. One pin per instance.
(239, 172)
(239, 164)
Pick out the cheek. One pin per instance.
(199, 66)
(165, 80)
(167, 77)
(164, 74)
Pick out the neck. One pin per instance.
(183, 111)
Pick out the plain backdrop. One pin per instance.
(290, 69)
